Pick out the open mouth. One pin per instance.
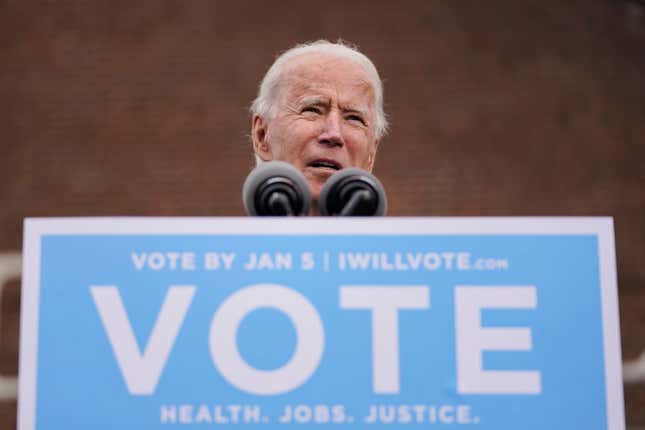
(325, 164)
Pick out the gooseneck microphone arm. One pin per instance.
(279, 203)
(358, 198)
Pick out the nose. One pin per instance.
(332, 133)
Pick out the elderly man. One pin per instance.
(319, 108)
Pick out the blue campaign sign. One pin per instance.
(500, 323)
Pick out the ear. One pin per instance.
(259, 135)
(371, 156)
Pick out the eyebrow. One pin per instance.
(324, 101)
(314, 100)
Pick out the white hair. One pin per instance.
(265, 103)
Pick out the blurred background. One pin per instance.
(501, 107)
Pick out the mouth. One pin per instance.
(325, 163)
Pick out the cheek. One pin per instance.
(306, 128)
(288, 139)
(361, 148)
(299, 133)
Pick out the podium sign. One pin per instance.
(256, 323)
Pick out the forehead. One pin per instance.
(330, 76)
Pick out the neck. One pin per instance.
(315, 209)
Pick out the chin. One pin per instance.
(316, 180)
(315, 187)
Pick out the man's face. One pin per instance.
(324, 119)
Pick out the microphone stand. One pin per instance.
(358, 197)
(279, 204)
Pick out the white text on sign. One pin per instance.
(142, 371)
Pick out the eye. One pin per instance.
(312, 109)
(356, 118)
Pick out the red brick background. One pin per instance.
(497, 108)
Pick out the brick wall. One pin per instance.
(497, 108)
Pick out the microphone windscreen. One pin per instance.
(336, 195)
(275, 177)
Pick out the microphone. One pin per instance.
(353, 192)
(276, 188)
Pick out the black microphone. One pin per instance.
(353, 192)
(276, 188)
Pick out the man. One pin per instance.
(319, 108)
